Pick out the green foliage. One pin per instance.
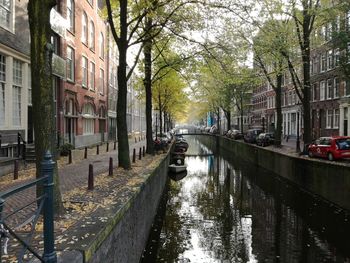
(65, 148)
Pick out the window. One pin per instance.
(88, 119)
(322, 90)
(70, 63)
(315, 65)
(329, 119)
(2, 88)
(102, 46)
(85, 72)
(336, 87)
(336, 118)
(92, 76)
(102, 81)
(16, 92)
(336, 57)
(92, 35)
(329, 89)
(346, 88)
(314, 92)
(70, 15)
(6, 14)
(84, 29)
(323, 62)
(330, 59)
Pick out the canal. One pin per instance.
(227, 210)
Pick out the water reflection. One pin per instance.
(225, 211)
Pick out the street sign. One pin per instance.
(58, 23)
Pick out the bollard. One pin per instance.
(70, 156)
(110, 173)
(133, 155)
(140, 154)
(15, 170)
(91, 178)
(107, 147)
(115, 145)
(143, 151)
(139, 139)
(85, 153)
(98, 149)
(135, 140)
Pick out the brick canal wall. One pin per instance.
(329, 180)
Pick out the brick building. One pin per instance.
(83, 96)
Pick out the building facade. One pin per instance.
(15, 79)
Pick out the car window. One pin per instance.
(327, 142)
(343, 144)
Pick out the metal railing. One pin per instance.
(44, 206)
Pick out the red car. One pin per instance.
(331, 148)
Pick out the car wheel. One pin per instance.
(330, 156)
(310, 154)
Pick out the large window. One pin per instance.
(330, 59)
(336, 87)
(314, 92)
(6, 13)
(329, 119)
(336, 118)
(92, 35)
(70, 63)
(92, 76)
(329, 89)
(84, 72)
(2, 88)
(88, 119)
(84, 28)
(17, 93)
(70, 15)
(102, 81)
(323, 62)
(322, 90)
(102, 45)
(346, 88)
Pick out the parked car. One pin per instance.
(265, 139)
(251, 135)
(331, 148)
(236, 134)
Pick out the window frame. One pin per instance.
(84, 28)
(71, 15)
(70, 62)
(85, 72)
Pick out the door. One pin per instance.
(70, 130)
(102, 125)
(345, 127)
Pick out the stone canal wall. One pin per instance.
(129, 229)
(329, 180)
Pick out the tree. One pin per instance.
(42, 90)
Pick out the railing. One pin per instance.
(44, 205)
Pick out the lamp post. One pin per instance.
(298, 136)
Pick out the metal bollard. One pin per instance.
(140, 154)
(115, 145)
(15, 170)
(143, 151)
(107, 147)
(134, 155)
(85, 153)
(135, 140)
(91, 178)
(110, 171)
(70, 156)
(98, 149)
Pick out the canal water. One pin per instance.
(226, 210)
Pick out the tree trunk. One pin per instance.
(147, 51)
(242, 113)
(306, 91)
(278, 91)
(160, 116)
(123, 142)
(228, 118)
(42, 92)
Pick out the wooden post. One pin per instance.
(98, 149)
(70, 156)
(110, 172)
(91, 178)
(140, 154)
(85, 153)
(134, 155)
(143, 151)
(15, 170)
(115, 145)
(107, 147)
